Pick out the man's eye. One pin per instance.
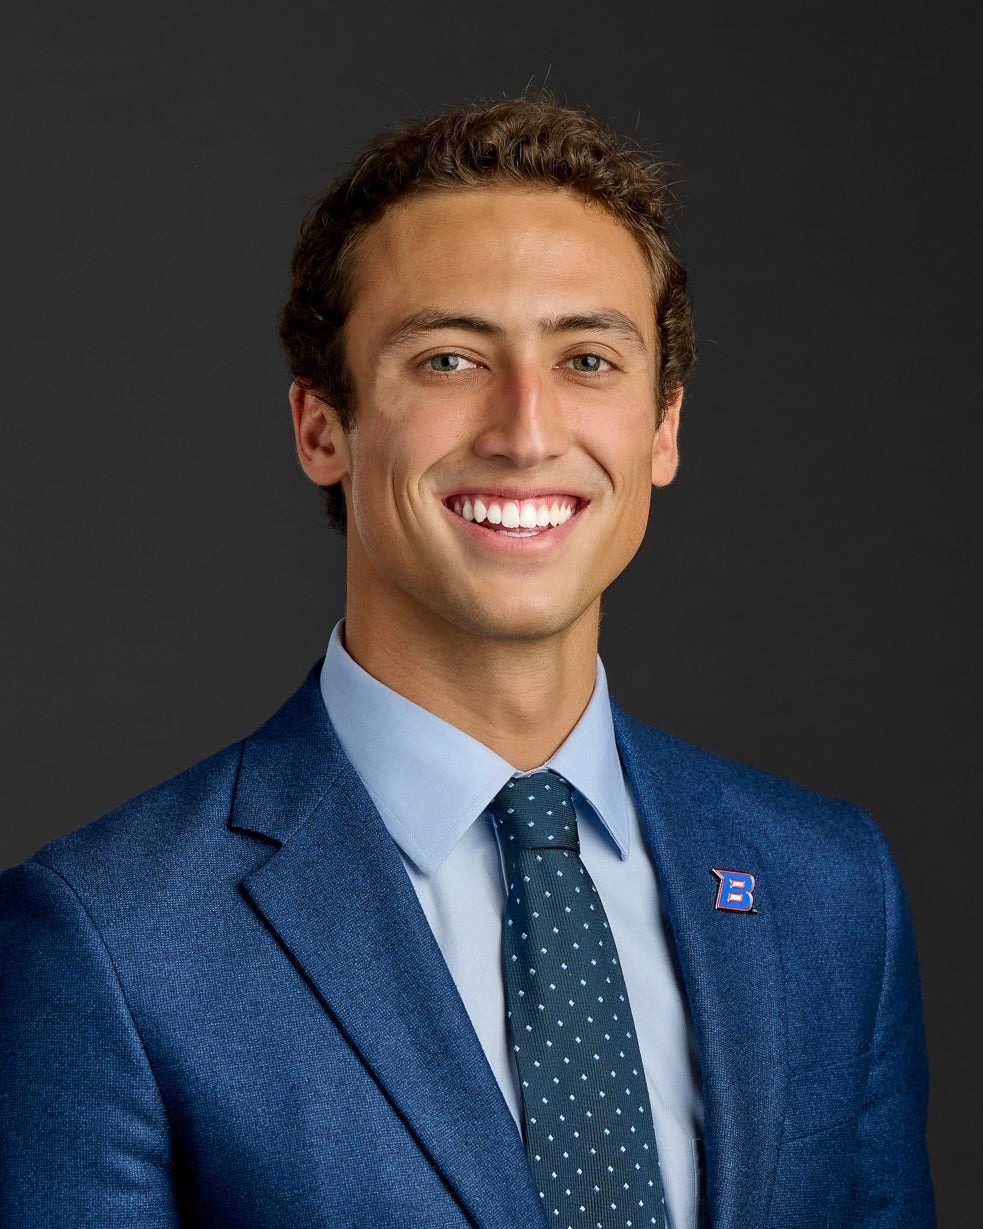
(447, 364)
(589, 364)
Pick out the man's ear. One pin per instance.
(322, 442)
(665, 446)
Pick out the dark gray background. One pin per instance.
(806, 598)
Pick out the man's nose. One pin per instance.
(525, 422)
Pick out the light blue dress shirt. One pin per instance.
(451, 854)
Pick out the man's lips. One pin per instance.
(519, 516)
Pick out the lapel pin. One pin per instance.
(736, 891)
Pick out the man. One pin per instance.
(451, 941)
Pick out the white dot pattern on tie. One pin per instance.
(588, 1121)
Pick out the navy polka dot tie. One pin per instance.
(588, 1122)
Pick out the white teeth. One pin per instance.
(516, 513)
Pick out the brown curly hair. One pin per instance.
(531, 140)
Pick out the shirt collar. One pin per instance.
(394, 744)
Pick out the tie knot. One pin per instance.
(537, 812)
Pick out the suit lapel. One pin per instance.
(729, 962)
(336, 893)
(337, 896)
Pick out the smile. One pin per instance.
(515, 517)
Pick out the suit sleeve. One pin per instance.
(893, 1186)
(84, 1138)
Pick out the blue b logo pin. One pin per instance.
(736, 890)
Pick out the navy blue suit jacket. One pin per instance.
(221, 1005)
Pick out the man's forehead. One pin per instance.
(494, 204)
(459, 252)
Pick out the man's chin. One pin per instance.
(525, 622)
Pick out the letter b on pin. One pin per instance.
(736, 890)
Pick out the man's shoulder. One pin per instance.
(775, 811)
(186, 822)
(195, 798)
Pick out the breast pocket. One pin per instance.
(822, 1098)
(815, 1164)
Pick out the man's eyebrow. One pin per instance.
(423, 322)
(610, 321)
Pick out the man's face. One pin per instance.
(502, 348)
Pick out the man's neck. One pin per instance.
(521, 698)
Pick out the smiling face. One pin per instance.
(502, 348)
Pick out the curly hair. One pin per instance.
(528, 141)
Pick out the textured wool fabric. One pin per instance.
(588, 1123)
(221, 1007)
